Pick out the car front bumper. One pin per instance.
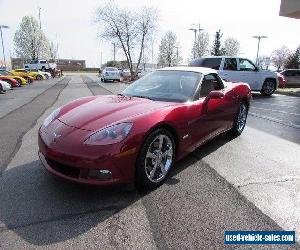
(109, 168)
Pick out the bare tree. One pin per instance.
(231, 46)
(168, 50)
(280, 56)
(201, 46)
(130, 30)
(30, 41)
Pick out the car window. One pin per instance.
(209, 83)
(213, 63)
(230, 64)
(246, 65)
(42, 61)
(166, 85)
(111, 69)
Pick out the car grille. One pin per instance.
(63, 169)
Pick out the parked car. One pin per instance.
(126, 73)
(292, 77)
(12, 82)
(4, 86)
(42, 65)
(46, 74)
(137, 136)
(110, 73)
(19, 79)
(241, 70)
(26, 73)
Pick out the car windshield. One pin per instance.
(165, 85)
(111, 69)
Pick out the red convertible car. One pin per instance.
(137, 136)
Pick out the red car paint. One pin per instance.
(9, 80)
(64, 154)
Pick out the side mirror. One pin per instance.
(215, 94)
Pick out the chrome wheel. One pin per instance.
(242, 117)
(159, 158)
(268, 88)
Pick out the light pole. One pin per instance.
(195, 32)
(114, 51)
(258, 38)
(3, 27)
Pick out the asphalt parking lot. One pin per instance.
(248, 183)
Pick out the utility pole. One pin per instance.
(195, 32)
(198, 29)
(40, 23)
(39, 8)
(114, 51)
(258, 44)
(3, 50)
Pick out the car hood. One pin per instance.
(102, 111)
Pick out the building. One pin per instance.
(290, 8)
(70, 64)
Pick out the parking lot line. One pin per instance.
(274, 110)
(289, 124)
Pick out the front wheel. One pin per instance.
(19, 82)
(156, 158)
(240, 120)
(268, 88)
(38, 77)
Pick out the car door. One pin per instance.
(229, 70)
(207, 119)
(249, 73)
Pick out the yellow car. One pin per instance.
(19, 79)
(25, 73)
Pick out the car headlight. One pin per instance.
(110, 135)
(51, 117)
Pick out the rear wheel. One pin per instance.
(39, 77)
(240, 120)
(155, 159)
(268, 88)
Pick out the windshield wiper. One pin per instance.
(141, 96)
(121, 94)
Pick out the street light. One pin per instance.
(195, 30)
(3, 27)
(259, 38)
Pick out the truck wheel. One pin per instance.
(268, 88)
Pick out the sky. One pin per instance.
(70, 24)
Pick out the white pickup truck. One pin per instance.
(40, 65)
(236, 69)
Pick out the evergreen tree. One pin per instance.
(216, 48)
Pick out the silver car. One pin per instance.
(110, 73)
(292, 77)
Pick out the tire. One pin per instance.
(1, 90)
(39, 77)
(240, 120)
(43, 69)
(268, 88)
(155, 159)
(19, 82)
